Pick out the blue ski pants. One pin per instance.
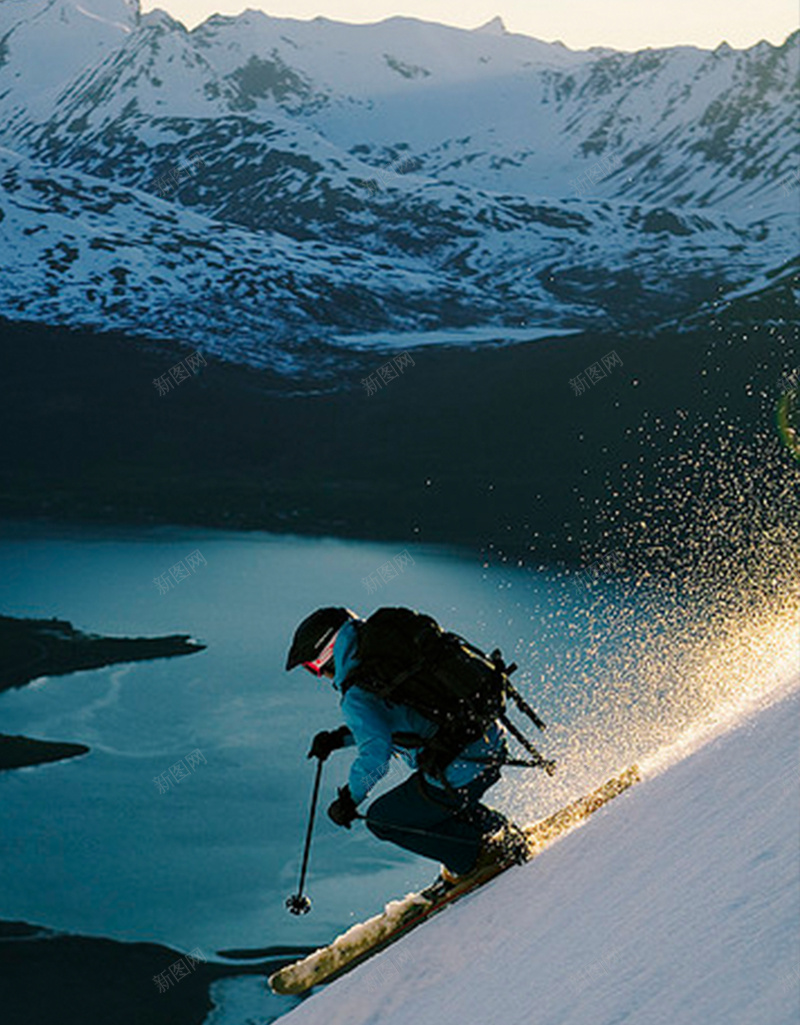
(446, 825)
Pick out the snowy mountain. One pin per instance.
(320, 180)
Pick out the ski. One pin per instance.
(399, 917)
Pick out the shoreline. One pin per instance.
(94, 979)
(33, 648)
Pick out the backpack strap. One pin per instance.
(386, 689)
(350, 679)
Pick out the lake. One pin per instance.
(111, 845)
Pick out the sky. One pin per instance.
(622, 24)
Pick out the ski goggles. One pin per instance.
(318, 664)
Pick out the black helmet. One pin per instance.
(315, 634)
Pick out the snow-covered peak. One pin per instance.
(361, 62)
(158, 16)
(48, 42)
(157, 70)
(495, 27)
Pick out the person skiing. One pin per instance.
(438, 815)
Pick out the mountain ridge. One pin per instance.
(523, 182)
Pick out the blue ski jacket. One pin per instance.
(373, 720)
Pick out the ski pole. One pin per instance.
(548, 766)
(298, 904)
(514, 763)
(523, 706)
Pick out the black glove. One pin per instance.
(327, 741)
(343, 810)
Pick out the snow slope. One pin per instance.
(88, 253)
(679, 904)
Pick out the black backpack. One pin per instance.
(406, 658)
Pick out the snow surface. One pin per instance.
(679, 903)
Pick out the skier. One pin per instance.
(437, 815)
